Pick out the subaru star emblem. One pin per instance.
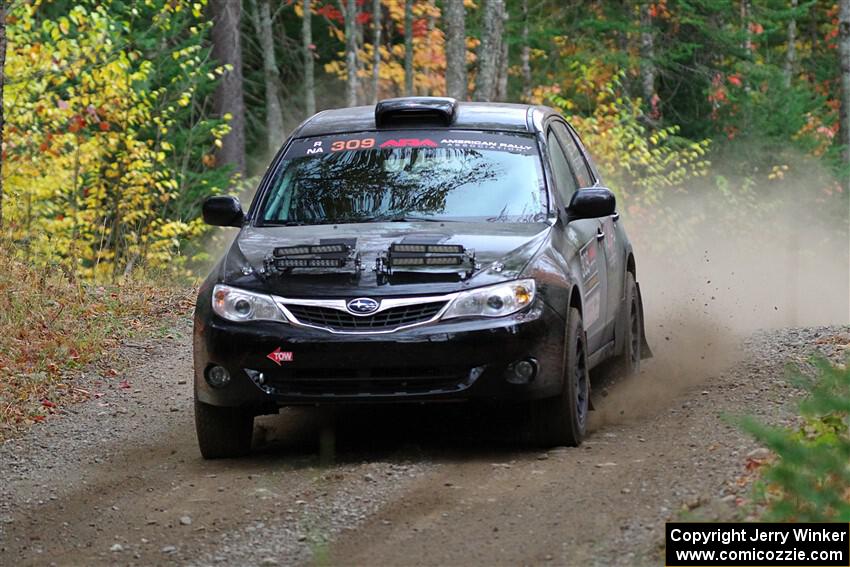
(363, 306)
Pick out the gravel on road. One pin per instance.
(119, 480)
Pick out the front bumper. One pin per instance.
(443, 361)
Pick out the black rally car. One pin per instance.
(421, 250)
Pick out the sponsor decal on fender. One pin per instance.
(588, 261)
(279, 356)
(593, 306)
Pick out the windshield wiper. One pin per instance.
(379, 218)
(286, 223)
(404, 218)
(413, 218)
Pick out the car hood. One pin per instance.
(502, 250)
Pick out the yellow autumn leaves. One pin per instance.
(88, 169)
(636, 160)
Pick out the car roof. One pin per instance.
(503, 117)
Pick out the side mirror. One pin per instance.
(591, 203)
(223, 211)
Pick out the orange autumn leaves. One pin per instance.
(429, 58)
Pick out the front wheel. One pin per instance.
(562, 420)
(223, 432)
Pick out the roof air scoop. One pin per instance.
(408, 111)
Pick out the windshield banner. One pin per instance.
(394, 139)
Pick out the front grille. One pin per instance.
(369, 381)
(388, 319)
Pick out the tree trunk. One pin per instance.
(525, 55)
(228, 98)
(844, 58)
(262, 20)
(648, 70)
(408, 47)
(501, 93)
(791, 53)
(488, 58)
(359, 42)
(376, 56)
(429, 46)
(2, 83)
(745, 23)
(455, 18)
(309, 73)
(349, 10)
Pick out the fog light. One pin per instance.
(218, 377)
(522, 371)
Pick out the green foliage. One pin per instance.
(108, 143)
(810, 479)
(719, 75)
(756, 107)
(636, 161)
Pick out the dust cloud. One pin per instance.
(715, 264)
(723, 268)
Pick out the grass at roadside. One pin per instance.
(51, 326)
(808, 478)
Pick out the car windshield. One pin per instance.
(403, 176)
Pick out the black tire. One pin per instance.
(628, 363)
(562, 420)
(223, 432)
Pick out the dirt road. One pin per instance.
(118, 480)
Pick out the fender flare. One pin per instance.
(645, 351)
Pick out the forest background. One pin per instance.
(714, 121)
(121, 116)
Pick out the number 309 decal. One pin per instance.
(364, 144)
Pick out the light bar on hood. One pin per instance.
(282, 263)
(426, 260)
(419, 256)
(329, 254)
(426, 248)
(286, 251)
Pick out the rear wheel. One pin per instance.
(629, 361)
(562, 420)
(223, 432)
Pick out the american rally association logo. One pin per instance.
(279, 356)
(362, 306)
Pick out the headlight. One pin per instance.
(493, 301)
(236, 304)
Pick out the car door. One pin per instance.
(590, 263)
(612, 236)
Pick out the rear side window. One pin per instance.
(564, 180)
(394, 175)
(585, 179)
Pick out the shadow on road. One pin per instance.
(436, 432)
(380, 432)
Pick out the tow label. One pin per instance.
(279, 356)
